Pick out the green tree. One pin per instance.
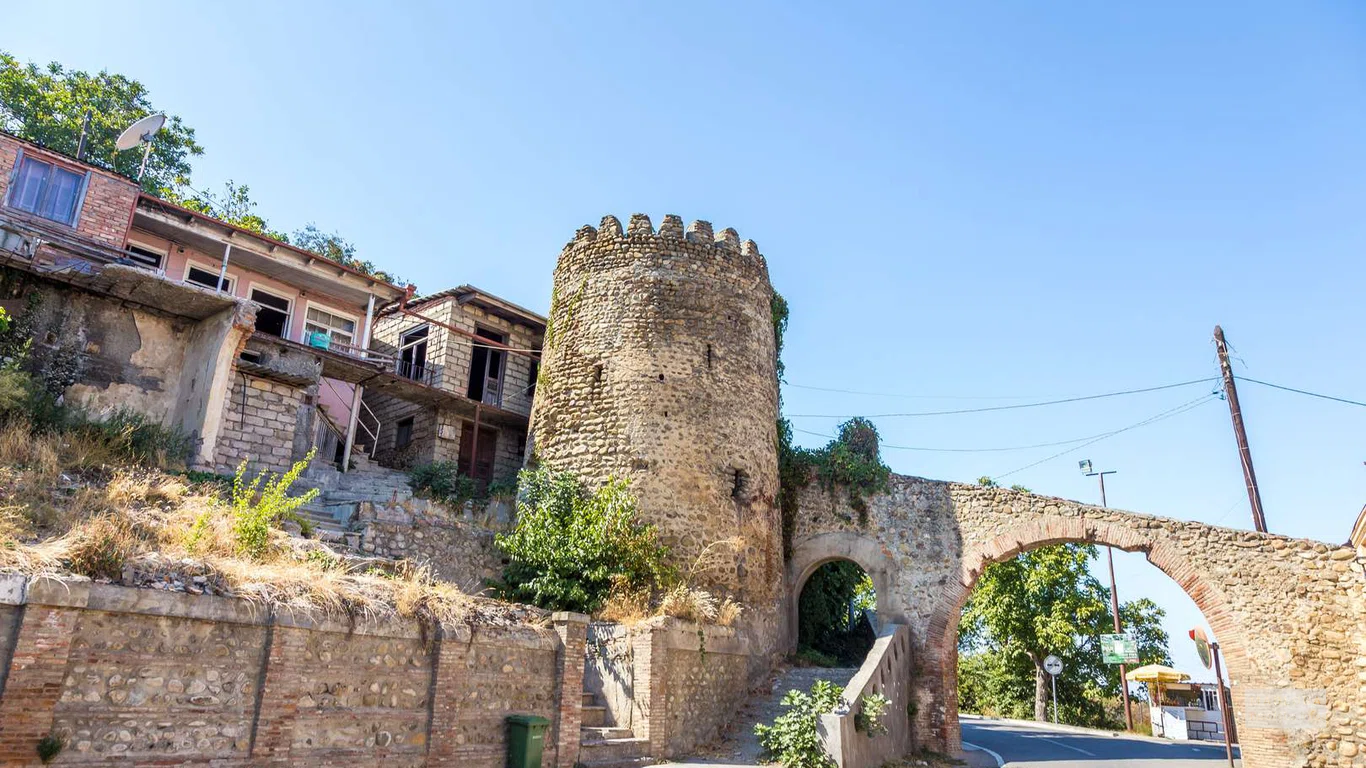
(332, 245)
(47, 104)
(571, 547)
(233, 206)
(1046, 602)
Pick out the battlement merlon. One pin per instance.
(639, 228)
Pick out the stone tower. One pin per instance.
(659, 367)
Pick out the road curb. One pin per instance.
(1094, 731)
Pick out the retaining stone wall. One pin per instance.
(128, 676)
(458, 548)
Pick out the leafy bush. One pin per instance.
(263, 502)
(441, 480)
(823, 613)
(871, 708)
(570, 548)
(791, 739)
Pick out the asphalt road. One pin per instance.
(1030, 746)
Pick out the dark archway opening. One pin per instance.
(836, 616)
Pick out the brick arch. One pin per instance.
(942, 632)
(863, 551)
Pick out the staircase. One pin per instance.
(340, 493)
(603, 745)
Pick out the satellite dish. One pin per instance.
(141, 132)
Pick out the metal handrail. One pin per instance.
(373, 434)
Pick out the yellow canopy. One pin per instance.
(1156, 673)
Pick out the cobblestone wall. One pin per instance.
(457, 547)
(1289, 614)
(659, 368)
(140, 677)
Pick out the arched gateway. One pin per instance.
(1288, 613)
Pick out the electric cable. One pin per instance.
(1178, 410)
(1011, 407)
(1300, 391)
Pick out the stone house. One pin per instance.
(256, 348)
(479, 355)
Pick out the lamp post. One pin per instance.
(1085, 466)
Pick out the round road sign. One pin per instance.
(1053, 665)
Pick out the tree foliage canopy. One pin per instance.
(1046, 602)
(46, 105)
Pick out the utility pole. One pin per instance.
(1254, 496)
(1223, 705)
(1114, 594)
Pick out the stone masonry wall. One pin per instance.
(259, 422)
(1288, 613)
(457, 549)
(141, 677)
(659, 368)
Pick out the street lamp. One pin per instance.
(1086, 469)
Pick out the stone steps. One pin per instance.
(593, 734)
(601, 753)
(594, 716)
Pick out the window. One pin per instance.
(145, 256)
(486, 369)
(202, 276)
(46, 190)
(534, 374)
(340, 328)
(412, 353)
(272, 313)
(403, 433)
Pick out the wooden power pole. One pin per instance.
(1254, 496)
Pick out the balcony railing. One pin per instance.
(423, 374)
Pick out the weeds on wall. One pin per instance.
(852, 460)
(791, 740)
(869, 720)
(571, 548)
(265, 502)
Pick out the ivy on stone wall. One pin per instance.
(851, 461)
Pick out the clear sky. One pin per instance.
(960, 200)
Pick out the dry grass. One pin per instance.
(70, 509)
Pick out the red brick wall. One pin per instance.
(109, 200)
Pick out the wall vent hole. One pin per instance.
(739, 485)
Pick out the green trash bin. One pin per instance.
(526, 740)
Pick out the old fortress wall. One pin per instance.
(659, 368)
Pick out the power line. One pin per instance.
(966, 450)
(1010, 407)
(1301, 391)
(906, 396)
(1178, 410)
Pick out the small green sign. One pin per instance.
(1119, 649)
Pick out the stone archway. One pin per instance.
(942, 632)
(863, 551)
(1290, 614)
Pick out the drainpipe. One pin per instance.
(223, 271)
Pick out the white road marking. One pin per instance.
(1000, 761)
(1067, 746)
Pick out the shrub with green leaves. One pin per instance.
(263, 502)
(792, 740)
(871, 709)
(442, 481)
(570, 547)
(139, 438)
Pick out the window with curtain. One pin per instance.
(341, 329)
(46, 190)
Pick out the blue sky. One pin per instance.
(968, 200)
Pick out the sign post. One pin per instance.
(1053, 666)
(1210, 652)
